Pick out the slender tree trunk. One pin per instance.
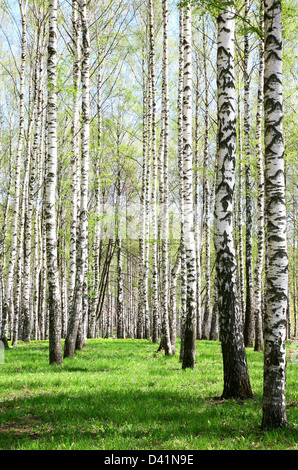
(261, 188)
(147, 214)
(17, 323)
(190, 319)
(37, 223)
(3, 236)
(142, 236)
(75, 150)
(236, 379)
(274, 401)
(120, 299)
(164, 189)
(207, 311)
(55, 348)
(26, 290)
(181, 183)
(155, 332)
(83, 231)
(173, 301)
(214, 319)
(249, 316)
(197, 205)
(7, 301)
(98, 193)
(77, 309)
(240, 228)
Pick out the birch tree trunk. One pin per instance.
(7, 301)
(236, 379)
(274, 402)
(77, 310)
(249, 317)
(164, 192)
(207, 311)
(26, 290)
(19, 263)
(173, 301)
(142, 236)
(3, 237)
(98, 193)
(240, 228)
(190, 319)
(75, 149)
(155, 334)
(147, 214)
(197, 206)
(181, 183)
(55, 348)
(37, 223)
(261, 188)
(120, 299)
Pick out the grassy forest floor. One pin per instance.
(123, 395)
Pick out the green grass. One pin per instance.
(122, 394)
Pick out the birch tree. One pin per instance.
(7, 301)
(207, 198)
(181, 181)
(190, 319)
(155, 325)
(55, 347)
(249, 318)
(77, 309)
(31, 190)
(164, 186)
(274, 402)
(75, 149)
(261, 188)
(236, 378)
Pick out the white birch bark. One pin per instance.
(142, 235)
(18, 319)
(17, 310)
(75, 148)
(26, 290)
(274, 401)
(120, 287)
(236, 379)
(164, 201)
(240, 212)
(3, 236)
(181, 183)
(173, 300)
(155, 329)
(55, 348)
(207, 310)
(75, 328)
(97, 239)
(249, 317)
(261, 201)
(147, 211)
(7, 301)
(190, 318)
(197, 192)
(37, 235)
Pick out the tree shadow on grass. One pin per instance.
(113, 419)
(138, 411)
